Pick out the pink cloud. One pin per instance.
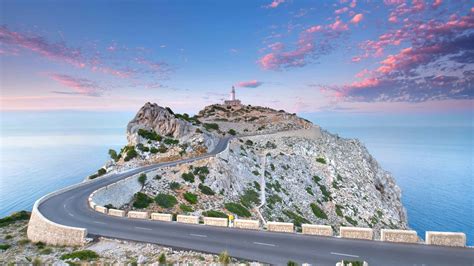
(353, 4)
(277, 46)
(314, 29)
(338, 25)
(357, 18)
(341, 10)
(275, 3)
(79, 86)
(437, 3)
(250, 84)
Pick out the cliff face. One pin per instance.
(288, 170)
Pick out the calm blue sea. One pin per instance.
(431, 157)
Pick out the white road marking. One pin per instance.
(143, 228)
(70, 214)
(198, 235)
(98, 222)
(264, 244)
(342, 254)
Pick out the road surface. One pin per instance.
(71, 208)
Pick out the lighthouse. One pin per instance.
(232, 101)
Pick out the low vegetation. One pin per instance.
(175, 185)
(224, 258)
(81, 255)
(339, 210)
(4, 246)
(250, 198)
(211, 126)
(142, 179)
(206, 190)
(297, 219)
(165, 200)
(16, 216)
(213, 213)
(113, 154)
(351, 221)
(237, 209)
(321, 160)
(190, 197)
(100, 172)
(186, 208)
(151, 135)
(141, 200)
(189, 177)
(130, 153)
(232, 132)
(318, 212)
(170, 141)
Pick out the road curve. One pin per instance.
(71, 208)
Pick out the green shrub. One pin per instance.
(162, 258)
(169, 110)
(211, 126)
(185, 208)
(297, 220)
(4, 246)
(248, 142)
(249, 198)
(81, 255)
(232, 132)
(310, 191)
(206, 190)
(339, 210)
(213, 213)
(151, 135)
(100, 172)
(255, 172)
(157, 177)
(46, 251)
(203, 170)
(165, 200)
(190, 197)
(162, 149)
(224, 258)
(272, 166)
(189, 177)
(16, 216)
(175, 185)
(316, 179)
(291, 263)
(109, 206)
(8, 237)
(141, 200)
(334, 184)
(142, 179)
(318, 212)
(130, 153)
(170, 141)
(113, 154)
(321, 160)
(154, 150)
(237, 209)
(325, 192)
(351, 221)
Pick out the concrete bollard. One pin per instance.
(138, 215)
(161, 217)
(398, 236)
(117, 213)
(247, 224)
(187, 219)
(319, 230)
(452, 239)
(101, 209)
(356, 233)
(212, 221)
(280, 227)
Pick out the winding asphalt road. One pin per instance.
(71, 208)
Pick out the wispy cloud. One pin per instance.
(275, 3)
(77, 86)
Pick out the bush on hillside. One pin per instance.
(141, 200)
(189, 177)
(16, 216)
(318, 212)
(151, 135)
(206, 190)
(81, 255)
(237, 209)
(165, 200)
(213, 213)
(190, 197)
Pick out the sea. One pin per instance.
(431, 157)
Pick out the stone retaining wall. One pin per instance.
(280, 227)
(101, 209)
(161, 217)
(313, 229)
(399, 236)
(43, 230)
(247, 224)
(356, 232)
(187, 219)
(138, 215)
(445, 239)
(115, 212)
(222, 222)
(118, 193)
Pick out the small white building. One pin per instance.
(232, 101)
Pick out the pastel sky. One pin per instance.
(301, 56)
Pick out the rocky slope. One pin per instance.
(278, 165)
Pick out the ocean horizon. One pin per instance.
(432, 161)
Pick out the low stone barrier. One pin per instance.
(115, 212)
(280, 227)
(445, 239)
(161, 217)
(101, 209)
(222, 222)
(187, 219)
(247, 224)
(356, 232)
(138, 215)
(92, 204)
(313, 229)
(399, 236)
(43, 230)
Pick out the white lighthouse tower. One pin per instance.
(232, 101)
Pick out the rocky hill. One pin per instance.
(278, 167)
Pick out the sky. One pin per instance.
(346, 56)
